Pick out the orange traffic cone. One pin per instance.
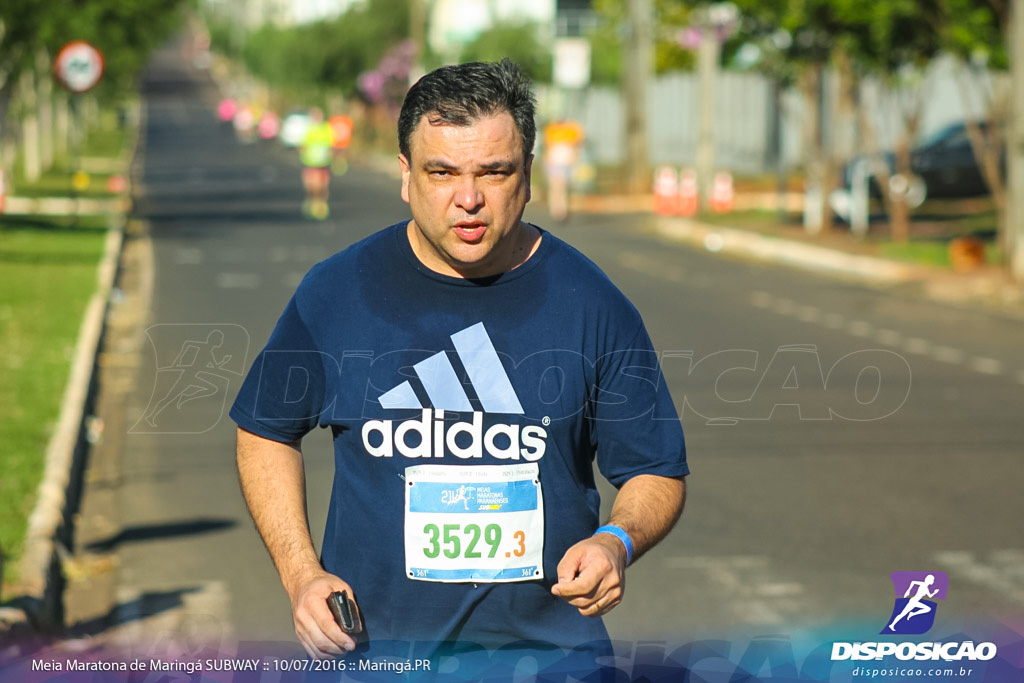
(666, 187)
(722, 192)
(689, 201)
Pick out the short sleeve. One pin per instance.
(282, 397)
(627, 411)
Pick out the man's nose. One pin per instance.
(467, 195)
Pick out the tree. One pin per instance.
(125, 31)
(890, 42)
(978, 35)
(330, 54)
(519, 42)
(671, 18)
(895, 44)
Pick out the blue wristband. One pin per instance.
(621, 535)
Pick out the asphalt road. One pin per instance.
(837, 432)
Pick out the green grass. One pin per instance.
(47, 275)
(48, 271)
(932, 253)
(57, 183)
(925, 253)
(109, 139)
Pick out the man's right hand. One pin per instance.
(315, 627)
(274, 485)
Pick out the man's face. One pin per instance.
(467, 187)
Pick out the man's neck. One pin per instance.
(524, 243)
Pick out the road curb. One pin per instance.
(994, 290)
(778, 250)
(40, 576)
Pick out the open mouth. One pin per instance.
(470, 231)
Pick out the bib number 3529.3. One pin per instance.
(482, 524)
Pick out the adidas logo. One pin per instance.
(440, 390)
(443, 388)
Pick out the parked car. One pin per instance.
(944, 161)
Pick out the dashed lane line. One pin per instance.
(892, 338)
(752, 598)
(988, 366)
(1001, 571)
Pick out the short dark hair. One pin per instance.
(459, 95)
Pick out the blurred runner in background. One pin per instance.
(316, 153)
(342, 127)
(562, 141)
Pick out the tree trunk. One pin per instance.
(987, 146)
(819, 168)
(61, 127)
(45, 110)
(639, 66)
(708, 55)
(30, 129)
(899, 216)
(899, 212)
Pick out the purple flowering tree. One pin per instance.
(386, 85)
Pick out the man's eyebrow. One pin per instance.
(500, 165)
(439, 163)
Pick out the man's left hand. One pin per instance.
(592, 575)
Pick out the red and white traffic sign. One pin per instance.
(79, 66)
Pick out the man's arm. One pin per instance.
(274, 485)
(592, 574)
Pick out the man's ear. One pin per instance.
(406, 174)
(528, 167)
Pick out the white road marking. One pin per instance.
(278, 254)
(238, 280)
(292, 280)
(1002, 571)
(761, 299)
(888, 337)
(917, 345)
(751, 597)
(947, 354)
(188, 256)
(988, 366)
(834, 321)
(784, 306)
(808, 314)
(859, 328)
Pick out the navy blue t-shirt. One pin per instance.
(548, 365)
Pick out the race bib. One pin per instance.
(481, 524)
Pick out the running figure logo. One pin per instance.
(190, 387)
(457, 496)
(914, 612)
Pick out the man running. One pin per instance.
(316, 153)
(915, 606)
(500, 363)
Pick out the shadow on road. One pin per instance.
(152, 532)
(146, 605)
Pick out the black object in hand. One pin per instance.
(344, 612)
